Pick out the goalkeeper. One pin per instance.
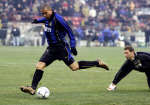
(55, 30)
(139, 61)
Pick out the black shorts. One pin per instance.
(57, 52)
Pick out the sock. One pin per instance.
(36, 78)
(87, 64)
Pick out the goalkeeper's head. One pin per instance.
(46, 11)
(129, 52)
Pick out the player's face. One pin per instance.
(47, 13)
(129, 55)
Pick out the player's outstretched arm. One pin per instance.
(124, 71)
(148, 78)
(40, 20)
(34, 21)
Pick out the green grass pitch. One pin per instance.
(84, 87)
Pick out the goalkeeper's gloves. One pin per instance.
(111, 87)
(74, 51)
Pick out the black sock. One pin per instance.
(87, 64)
(36, 78)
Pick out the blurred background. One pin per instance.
(94, 22)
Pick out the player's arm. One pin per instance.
(72, 39)
(40, 20)
(148, 78)
(69, 32)
(124, 71)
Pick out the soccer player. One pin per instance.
(139, 61)
(55, 30)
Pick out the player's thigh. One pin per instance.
(47, 58)
(71, 63)
(65, 55)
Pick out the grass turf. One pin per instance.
(85, 87)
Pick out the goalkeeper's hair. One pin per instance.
(130, 48)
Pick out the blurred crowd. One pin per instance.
(95, 16)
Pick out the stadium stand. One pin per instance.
(129, 16)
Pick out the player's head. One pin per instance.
(46, 11)
(129, 52)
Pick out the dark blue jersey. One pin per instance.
(56, 29)
(140, 63)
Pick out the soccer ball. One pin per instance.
(43, 92)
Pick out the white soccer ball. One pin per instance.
(43, 92)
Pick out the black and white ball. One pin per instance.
(43, 92)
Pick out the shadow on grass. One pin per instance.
(133, 91)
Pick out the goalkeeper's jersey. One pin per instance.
(140, 63)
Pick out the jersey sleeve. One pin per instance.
(68, 30)
(124, 71)
(41, 20)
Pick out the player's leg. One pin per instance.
(44, 61)
(125, 69)
(148, 78)
(69, 60)
(38, 74)
(87, 64)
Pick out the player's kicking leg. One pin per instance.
(101, 64)
(69, 61)
(88, 64)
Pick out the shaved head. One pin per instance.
(45, 8)
(46, 11)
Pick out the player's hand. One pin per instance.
(74, 51)
(34, 21)
(112, 87)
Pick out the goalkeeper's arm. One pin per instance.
(124, 71)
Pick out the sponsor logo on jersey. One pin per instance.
(48, 29)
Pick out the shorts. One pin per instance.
(57, 52)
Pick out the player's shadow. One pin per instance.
(41, 98)
(133, 91)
